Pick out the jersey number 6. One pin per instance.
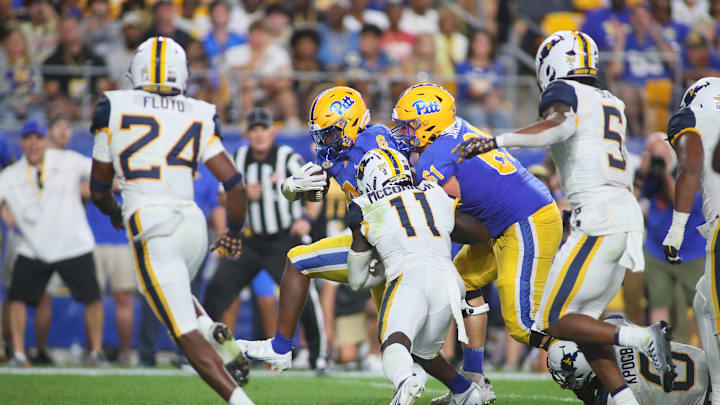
(192, 134)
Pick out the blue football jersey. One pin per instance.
(494, 186)
(374, 136)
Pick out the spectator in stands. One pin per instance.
(304, 12)
(423, 64)
(220, 38)
(689, 12)
(337, 41)
(277, 20)
(361, 14)
(603, 24)
(41, 32)
(118, 58)
(56, 176)
(480, 92)
(20, 81)
(60, 132)
(656, 179)
(260, 56)
(65, 90)
(396, 42)
(642, 65)
(205, 82)
(164, 23)
(672, 30)
(365, 65)
(451, 44)
(419, 18)
(101, 31)
(699, 58)
(305, 43)
(244, 13)
(193, 20)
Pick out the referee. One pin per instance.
(274, 226)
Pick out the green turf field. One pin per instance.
(264, 388)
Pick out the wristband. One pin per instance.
(679, 219)
(235, 226)
(232, 182)
(307, 218)
(97, 186)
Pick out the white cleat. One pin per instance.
(482, 382)
(262, 350)
(472, 396)
(409, 390)
(659, 351)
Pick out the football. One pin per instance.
(316, 195)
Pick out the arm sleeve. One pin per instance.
(681, 122)
(558, 92)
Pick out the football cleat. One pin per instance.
(409, 390)
(262, 350)
(479, 379)
(223, 342)
(659, 351)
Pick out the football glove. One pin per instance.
(228, 245)
(304, 179)
(674, 238)
(474, 146)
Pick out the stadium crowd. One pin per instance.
(58, 57)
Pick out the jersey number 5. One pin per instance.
(613, 136)
(191, 137)
(399, 206)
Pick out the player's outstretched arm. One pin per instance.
(689, 149)
(468, 230)
(222, 167)
(101, 178)
(716, 158)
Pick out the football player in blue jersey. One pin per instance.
(517, 208)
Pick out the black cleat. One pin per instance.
(238, 366)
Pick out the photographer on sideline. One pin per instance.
(658, 187)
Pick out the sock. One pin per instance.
(473, 359)
(624, 396)
(715, 394)
(281, 344)
(20, 356)
(459, 384)
(397, 363)
(204, 325)
(239, 397)
(632, 336)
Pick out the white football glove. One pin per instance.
(674, 238)
(303, 179)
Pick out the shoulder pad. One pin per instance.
(101, 114)
(680, 121)
(559, 91)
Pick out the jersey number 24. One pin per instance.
(191, 135)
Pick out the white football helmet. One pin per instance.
(704, 93)
(566, 54)
(159, 65)
(568, 366)
(380, 168)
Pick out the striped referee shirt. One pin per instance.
(272, 213)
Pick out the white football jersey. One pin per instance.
(706, 119)
(405, 222)
(154, 143)
(593, 162)
(689, 388)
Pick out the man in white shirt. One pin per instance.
(42, 192)
(419, 18)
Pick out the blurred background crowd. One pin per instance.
(58, 56)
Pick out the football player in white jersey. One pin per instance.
(693, 131)
(570, 369)
(584, 125)
(409, 228)
(152, 139)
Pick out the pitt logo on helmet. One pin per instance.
(339, 107)
(423, 107)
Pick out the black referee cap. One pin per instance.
(259, 116)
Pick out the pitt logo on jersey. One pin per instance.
(341, 106)
(423, 107)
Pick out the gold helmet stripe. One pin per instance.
(582, 41)
(392, 164)
(163, 50)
